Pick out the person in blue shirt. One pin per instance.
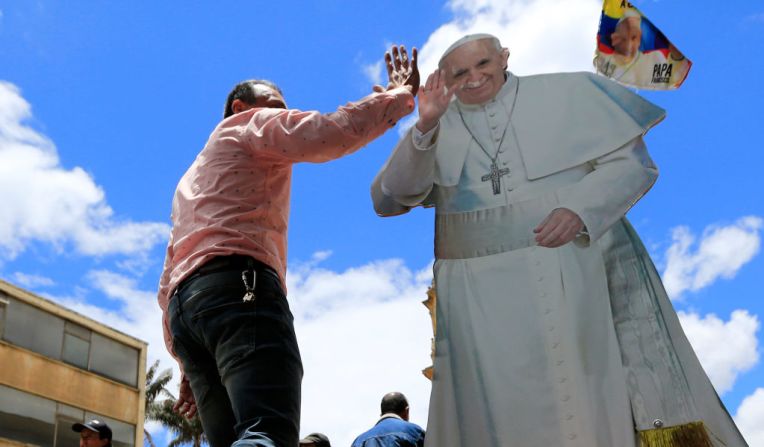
(393, 428)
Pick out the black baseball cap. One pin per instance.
(98, 426)
(319, 439)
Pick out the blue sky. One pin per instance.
(103, 105)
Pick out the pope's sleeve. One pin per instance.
(616, 182)
(407, 177)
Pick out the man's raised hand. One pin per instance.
(434, 98)
(401, 72)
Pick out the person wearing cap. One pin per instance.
(95, 433)
(222, 290)
(552, 325)
(315, 440)
(393, 428)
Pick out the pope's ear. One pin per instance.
(505, 56)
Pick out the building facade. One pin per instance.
(58, 367)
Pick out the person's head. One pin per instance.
(251, 94)
(315, 440)
(627, 35)
(477, 63)
(93, 433)
(395, 403)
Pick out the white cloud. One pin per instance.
(373, 72)
(156, 429)
(362, 333)
(750, 418)
(43, 201)
(31, 281)
(725, 349)
(721, 252)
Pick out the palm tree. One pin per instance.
(186, 431)
(155, 387)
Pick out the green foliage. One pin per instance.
(155, 387)
(159, 403)
(186, 431)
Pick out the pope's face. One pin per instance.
(478, 68)
(627, 37)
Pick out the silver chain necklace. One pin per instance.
(495, 174)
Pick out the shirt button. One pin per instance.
(540, 278)
(572, 436)
(565, 398)
(568, 416)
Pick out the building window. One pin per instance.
(113, 359)
(26, 418)
(34, 329)
(3, 305)
(76, 347)
(65, 436)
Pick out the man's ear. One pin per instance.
(238, 106)
(505, 57)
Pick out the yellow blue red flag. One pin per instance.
(634, 52)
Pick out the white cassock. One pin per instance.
(540, 347)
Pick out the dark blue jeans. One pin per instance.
(241, 358)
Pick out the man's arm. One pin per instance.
(296, 136)
(617, 181)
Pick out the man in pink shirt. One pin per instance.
(226, 317)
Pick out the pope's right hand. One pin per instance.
(434, 98)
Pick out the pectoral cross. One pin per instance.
(495, 177)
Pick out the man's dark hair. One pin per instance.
(394, 403)
(244, 91)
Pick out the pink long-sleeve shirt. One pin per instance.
(234, 199)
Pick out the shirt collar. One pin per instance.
(387, 416)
